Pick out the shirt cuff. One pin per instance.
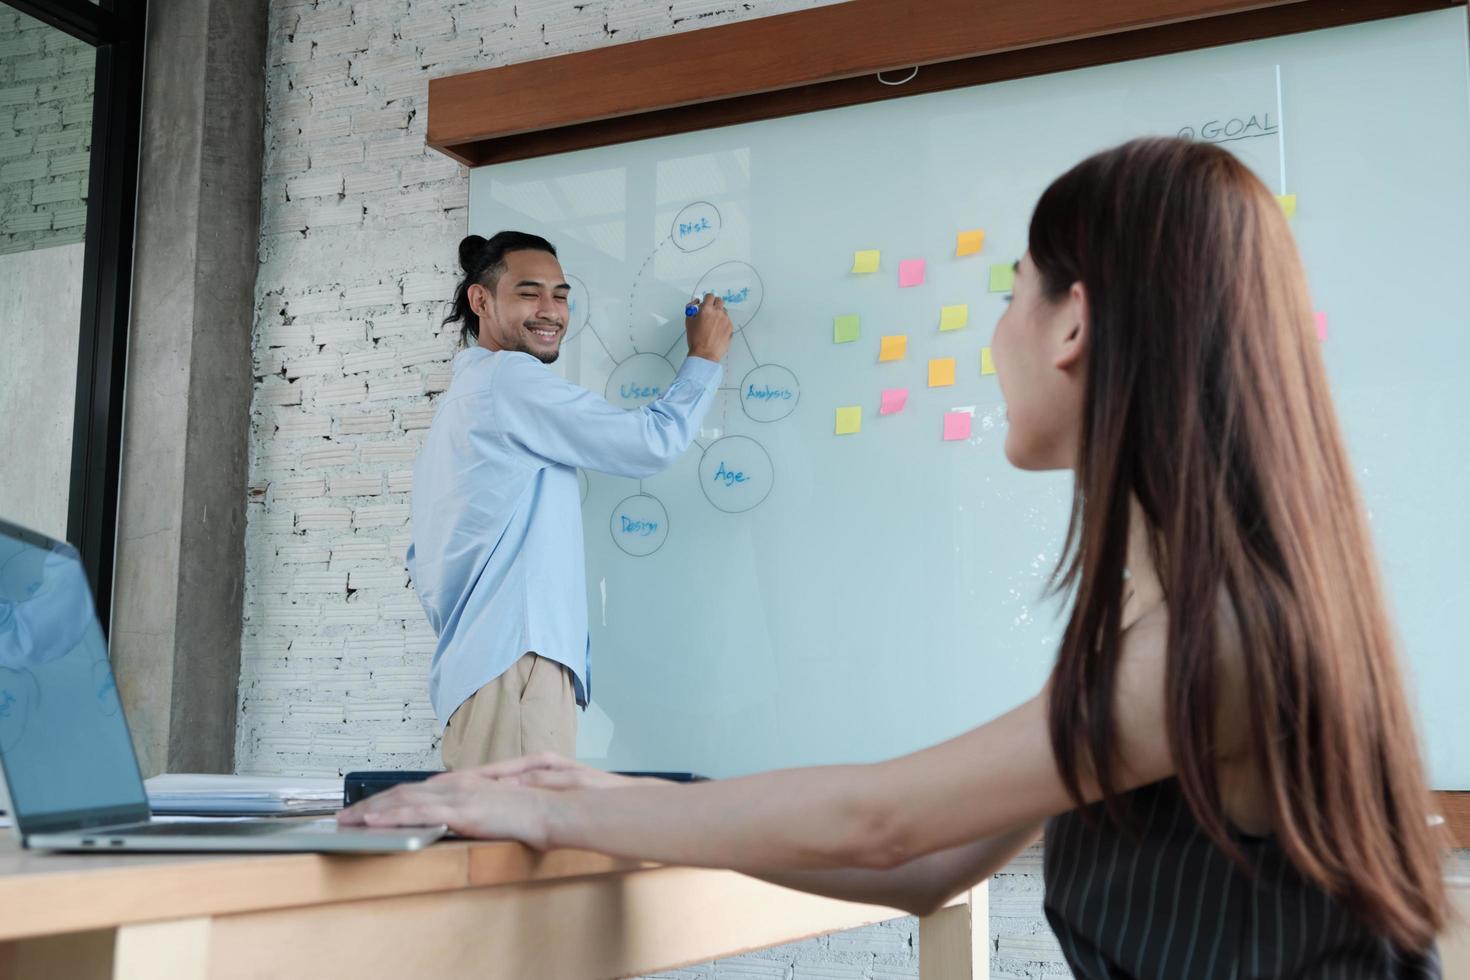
(704, 373)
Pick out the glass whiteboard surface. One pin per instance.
(788, 595)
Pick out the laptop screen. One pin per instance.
(64, 744)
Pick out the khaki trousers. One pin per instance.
(532, 707)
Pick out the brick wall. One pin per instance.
(46, 81)
(359, 229)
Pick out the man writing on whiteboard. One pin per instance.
(496, 553)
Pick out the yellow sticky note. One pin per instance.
(969, 242)
(941, 372)
(865, 261)
(954, 317)
(1288, 204)
(849, 420)
(1002, 278)
(893, 347)
(987, 363)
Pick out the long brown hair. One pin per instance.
(1206, 399)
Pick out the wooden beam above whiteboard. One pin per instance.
(830, 57)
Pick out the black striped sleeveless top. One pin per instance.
(1168, 903)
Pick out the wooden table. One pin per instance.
(457, 909)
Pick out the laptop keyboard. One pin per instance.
(222, 828)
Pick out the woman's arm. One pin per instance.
(982, 784)
(920, 887)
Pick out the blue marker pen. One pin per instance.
(692, 309)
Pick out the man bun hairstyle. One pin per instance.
(483, 262)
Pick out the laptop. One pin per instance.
(64, 744)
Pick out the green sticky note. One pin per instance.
(845, 328)
(954, 317)
(1002, 278)
(865, 261)
(849, 420)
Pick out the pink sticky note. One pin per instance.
(1321, 319)
(911, 272)
(894, 399)
(957, 425)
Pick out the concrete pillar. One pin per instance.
(180, 566)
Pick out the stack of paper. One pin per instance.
(210, 794)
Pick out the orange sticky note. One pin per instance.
(893, 347)
(969, 242)
(941, 372)
(987, 363)
(849, 420)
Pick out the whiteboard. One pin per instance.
(785, 595)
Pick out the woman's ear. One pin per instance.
(1072, 325)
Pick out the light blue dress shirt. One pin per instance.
(496, 547)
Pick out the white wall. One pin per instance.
(40, 308)
(359, 229)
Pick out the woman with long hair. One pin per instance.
(1223, 759)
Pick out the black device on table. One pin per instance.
(360, 785)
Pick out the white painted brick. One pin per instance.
(322, 518)
(324, 19)
(378, 121)
(339, 333)
(428, 286)
(302, 486)
(323, 363)
(314, 185)
(400, 481)
(408, 203)
(300, 425)
(357, 552)
(380, 515)
(326, 301)
(378, 359)
(286, 335)
(417, 417)
(302, 552)
(408, 87)
(402, 743)
(332, 710)
(451, 51)
(342, 41)
(327, 456)
(392, 60)
(337, 154)
(333, 214)
(364, 423)
(393, 148)
(376, 709)
(372, 181)
(429, 352)
(269, 363)
(357, 612)
(273, 613)
(378, 578)
(405, 386)
(290, 158)
(283, 221)
(314, 581)
(357, 485)
(387, 453)
(438, 379)
(278, 393)
(371, 294)
(456, 195)
(330, 98)
(339, 393)
(485, 15)
(404, 607)
(321, 71)
(326, 126)
(405, 323)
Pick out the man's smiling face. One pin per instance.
(527, 308)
